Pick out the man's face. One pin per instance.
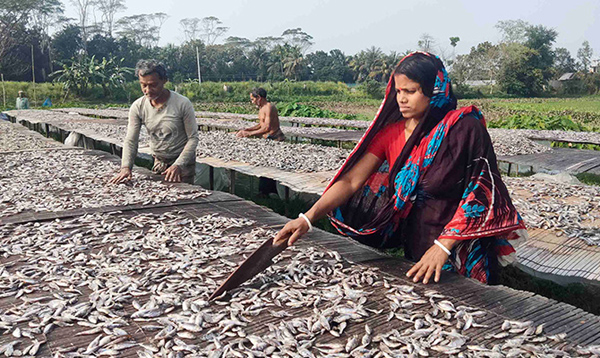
(152, 85)
(254, 100)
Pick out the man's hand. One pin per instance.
(432, 262)
(291, 232)
(242, 134)
(159, 167)
(123, 176)
(173, 174)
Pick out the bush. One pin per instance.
(285, 91)
(372, 88)
(304, 110)
(42, 91)
(462, 91)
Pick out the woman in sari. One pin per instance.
(423, 177)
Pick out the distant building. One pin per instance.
(560, 82)
(480, 83)
(595, 66)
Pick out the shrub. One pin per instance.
(372, 88)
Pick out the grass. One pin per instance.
(582, 104)
(589, 178)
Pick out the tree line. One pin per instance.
(97, 48)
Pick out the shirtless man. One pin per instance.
(268, 120)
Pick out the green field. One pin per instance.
(329, 99)
(583, 104)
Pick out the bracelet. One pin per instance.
(307, 221)
(442, 247)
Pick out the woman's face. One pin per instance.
(411, 100)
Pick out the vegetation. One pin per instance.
(537, 121)
(36, 41)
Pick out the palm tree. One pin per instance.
(293, 62)
(259, 58)
(368, 64)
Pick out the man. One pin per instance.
(268, 120)
(171, 124)
(22, 101)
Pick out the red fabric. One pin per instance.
(388, 144)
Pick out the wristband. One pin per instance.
(442, 247)
(307, 221)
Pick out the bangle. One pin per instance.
(442, 247)
(307, 221)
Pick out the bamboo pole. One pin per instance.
(198, 63)
(33, 75)
(3, 90)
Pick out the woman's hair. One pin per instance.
(421, 69)
(428, 71)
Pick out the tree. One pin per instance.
(513, 31)
(268, 42)
(21, 15)
(293, 62)
(191, 28)
(426, 42)
(454, 41)
(109, 8)
(519, 75)
(144, 29)
(44, 19)
(259, 59)
(67, 43)
(368, 64)
(83, 7)
(483, 62)
(541, 39)
(584, 54)
(332, 66)
(297, 38)
(563, 62)
(211, 29)
(240, 42)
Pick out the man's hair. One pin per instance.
(148, 67)
(259, 92)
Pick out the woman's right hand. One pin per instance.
(291, 232)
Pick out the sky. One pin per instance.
(392, 25)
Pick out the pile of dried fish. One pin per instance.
(72, 122)
(515, 143)
(330, 122)
(116, 132)
(572, 210)
(237, 124)
(16, 137)
(116, 112)
(554, 135)
(106, 278)
(269, 153)
(67, 179)
(37, 115)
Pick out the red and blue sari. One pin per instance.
(445, 184)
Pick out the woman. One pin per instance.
(425, 177)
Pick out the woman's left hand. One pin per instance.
(432, 262)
